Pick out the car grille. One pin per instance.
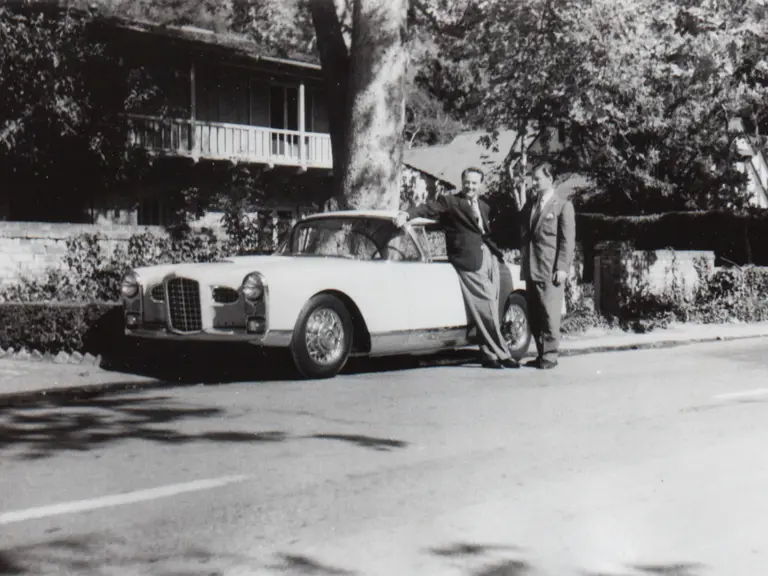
(184, 305)
(158, 293)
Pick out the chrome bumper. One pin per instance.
(273, 338)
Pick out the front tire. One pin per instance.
(515, 327)
(322, 338)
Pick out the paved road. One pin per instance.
(646, 462)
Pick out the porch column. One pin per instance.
(302, 128)
(192, 106)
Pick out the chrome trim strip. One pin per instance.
(415, 341)
(382, 344)
(276, 338)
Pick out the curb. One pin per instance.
(61, 358)
(92, 390)
(564, 352)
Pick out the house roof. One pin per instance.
(235, 44)
(446, 162)
(228, 41)
(750, 156)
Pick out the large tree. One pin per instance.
(644, 89)
(365, 86)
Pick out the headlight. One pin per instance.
(130, 286)
(253, 287)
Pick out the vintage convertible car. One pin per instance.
(343, 283)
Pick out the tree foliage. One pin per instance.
(644, 89)
(63, 98)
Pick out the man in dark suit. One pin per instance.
(548, 239)
(464, 218)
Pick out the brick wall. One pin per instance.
(620, 271)
(28, 248)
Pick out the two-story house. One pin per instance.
(225, 104)
(220, 104)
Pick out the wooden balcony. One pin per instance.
(233, 142)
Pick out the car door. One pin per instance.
(434, 294)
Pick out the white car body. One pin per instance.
(400, 306)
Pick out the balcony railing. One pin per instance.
(220, 141)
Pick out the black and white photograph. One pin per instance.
(383, 287)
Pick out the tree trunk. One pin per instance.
(378, 63)
(365, 87)
(334, 58)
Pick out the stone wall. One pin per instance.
(620, 272)
(29, 248)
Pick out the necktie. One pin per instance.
(476, 210)
(537, 210)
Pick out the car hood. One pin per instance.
(231, 271)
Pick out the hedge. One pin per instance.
(724, 233)
(55, 327)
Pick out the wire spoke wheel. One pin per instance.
(515, 327)
(324, 336)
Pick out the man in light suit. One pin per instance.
(548, 240)
(464, 218)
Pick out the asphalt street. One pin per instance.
(644, 462)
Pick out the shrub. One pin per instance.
(90, 275)
(581, 314)
(732, 294)
(727, 295)
(56, 327)
(725, 233)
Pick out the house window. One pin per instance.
(284, 107)
(284, 115)
(153, 212)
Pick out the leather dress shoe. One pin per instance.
(491, 363)
(541, 364)
(510, 363)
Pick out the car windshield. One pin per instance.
(357, 238)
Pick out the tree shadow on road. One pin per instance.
(478, 559)
(303, 565)
(468, 555)
(505, 568)
(56, 425)
(380, 444)
(9, 565)
(98, 555)
(50, 426)
(679, 569)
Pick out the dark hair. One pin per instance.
(473, 169)
(543, 165)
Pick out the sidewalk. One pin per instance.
(677, 334)
(20, 379)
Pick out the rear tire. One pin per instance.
(515, 327)
(322, 338)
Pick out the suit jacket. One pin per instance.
(463, 238)
(548, 240)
